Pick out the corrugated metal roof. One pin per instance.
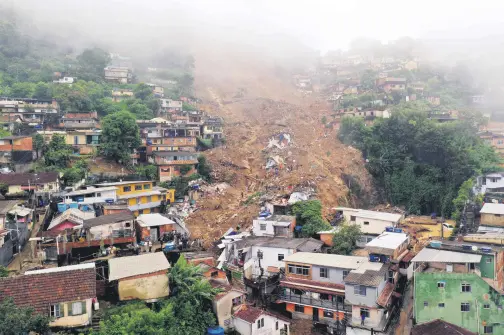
(153, 220)
(123, 267)
(445, 256)
(490, 208)
(388, 240)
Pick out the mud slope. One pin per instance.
(256, 104)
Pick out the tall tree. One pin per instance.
(120, 136)
(16, 320)
(345, 239)
(58, 152)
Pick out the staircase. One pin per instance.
(95, 322)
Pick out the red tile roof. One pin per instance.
(249, 314)
(439, 327)
(23, 178)
(408, 257)
(51, 286)
(384, 298)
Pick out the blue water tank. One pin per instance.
(486, 249)
(389, 229)
(217, 330)
(397, 230)
(62, 207)
(435, 244)
(74, 205)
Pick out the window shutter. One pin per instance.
(84, 307)
(69, 306)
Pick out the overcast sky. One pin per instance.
(321, 24)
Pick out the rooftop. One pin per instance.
(140, 194)
(369, 274)
(439, 327)
(387, 240)
(74, 215)
(335, 261)
(41, 288)
(123, 267)
(118, 183)
(282, 218)
(445, 256)
(108, 219)
(7, 205)
(490, 208)
(153, 220)
(300, 244)
(90, 190)
(33, 178)
(383, 216)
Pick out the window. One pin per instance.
(299, 308)
(324, 272)
(77, 308)
(441, 284)
(365, 312)
(138, 187)
(488, 260)
(466, 287)
(426, 303)
(299, 270)
(486, 306)
(465, 307)
(441, 305)
(352, 218)
(138, 200)
(324, 296)
(360, 290)
(149, 198)
(280, 257)
(488, 330)
(328, 314)
(276, 325)
(127, 189)
(98, 194)
(146, 186)
(214, 274)
(366, 223)
(345, 273)
(56, 311)
(262, 226)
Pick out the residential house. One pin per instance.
(17, 151)
(143, 277)
(371, 223)
(18, 183)
(443, 116)
(65, 294)
(275, 225)
(391, 247)
(29, 111)
(120, 94)
(439, 327)
(258, 260)
(140, 196)
(478, 99)
(495, 140)
(109, 227)
(83, 142)
(212, 128)
(226, 303)
(169, 106)
(157, 90)
(69, 219)
(8, 233)
(153, 226)
(435, 101)
(492, 215)
(369, 292)
(92, 195)
(314, 287)
(170, 137)
(65, 80)
(174, 163)
(367, 114)
(121, 75)
(460, 283)
(255, 321)
(390, 84)
(492, 182)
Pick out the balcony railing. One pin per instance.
(307, 300)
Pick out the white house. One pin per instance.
(371, 223)
(275, 225)
(92, 195)
(492, 182)
(64, 80)
(255, 321)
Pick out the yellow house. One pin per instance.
(141, 197)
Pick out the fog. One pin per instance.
(445, 31)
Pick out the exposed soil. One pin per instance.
(268, 105)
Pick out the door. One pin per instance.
(154, 234)
(315, 314)
(449, 267)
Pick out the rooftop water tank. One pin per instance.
(217, 330)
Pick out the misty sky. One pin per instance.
(321, 24)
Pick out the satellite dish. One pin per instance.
(474, 248)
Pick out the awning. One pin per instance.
(281, 224)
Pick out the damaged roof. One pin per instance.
(369, 274)
(108, 219)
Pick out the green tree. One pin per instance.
(345, 239)
(17, 320)
(149, 172)
(42, 91)
(139, 109)
(22, 90)
(142, 91)
(58, 153)
(204, 168)
(309, 216)
(38, 144)
(120, 136)
(91, 63)
(4, 272)
(188, 107)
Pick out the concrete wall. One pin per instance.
(223, 308)
(492, 219)
(105, 231)
(74, 321)
(368, 300)
(144, 287)
(245, 328)
(374, 226)
(376, 316)
(270, 257)
(426, 292)
(335, 275)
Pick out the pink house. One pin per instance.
(70, 218)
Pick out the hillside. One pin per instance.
(269, 106)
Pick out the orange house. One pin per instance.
(16, 143)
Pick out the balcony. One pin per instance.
(307, 300)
